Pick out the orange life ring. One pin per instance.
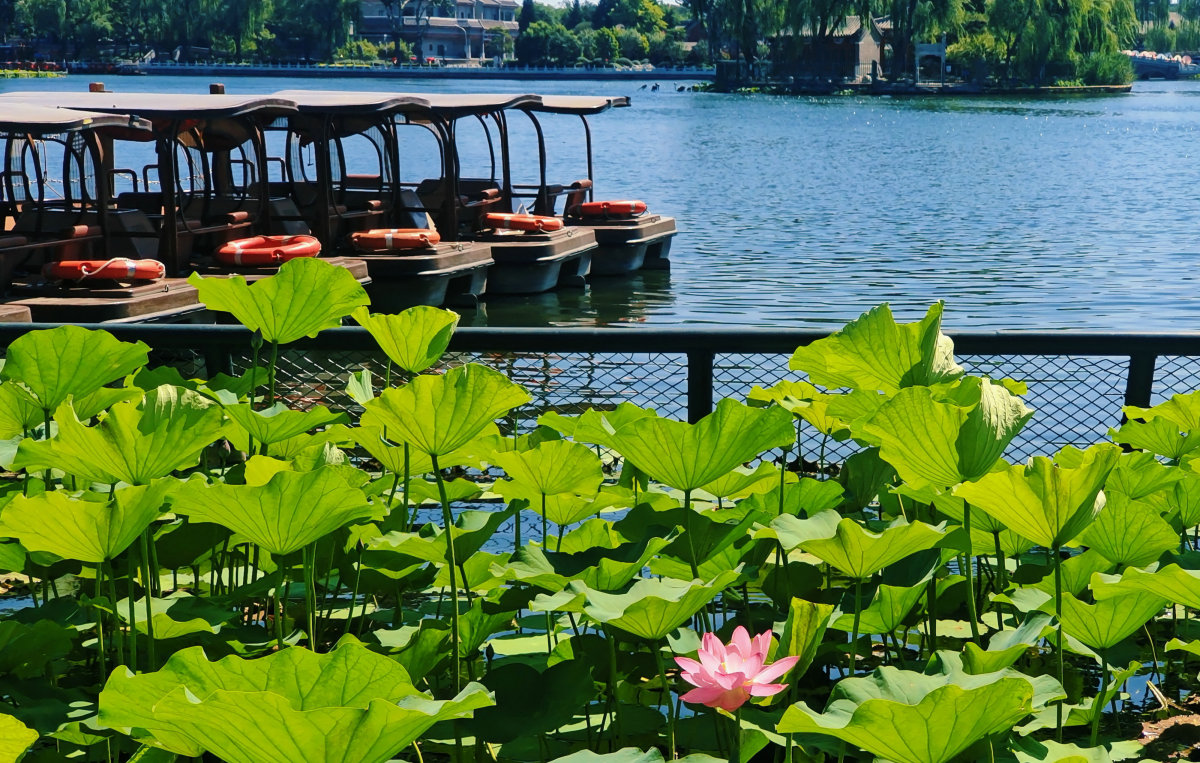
(611, 208)
(116, 269)
(268, 250)
(522, 222)
(389, 239)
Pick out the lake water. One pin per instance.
(803, 212)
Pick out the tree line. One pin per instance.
(1016, 40)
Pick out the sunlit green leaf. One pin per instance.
(554, 467)
(860, 553)
(1109, 620)
(55, 364)
(279, 423)
(651, 608)
(15, 739)
(286, 306)
(414, 339)
(1128, 532)
(803, 632)
(805, 402)
(873, 352)
(440, 414)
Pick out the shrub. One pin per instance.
(1106, 69)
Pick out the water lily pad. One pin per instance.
(68, 361)
(414, 339)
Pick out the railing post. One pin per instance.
(700, 384)
(1139, 382)
(218, 360)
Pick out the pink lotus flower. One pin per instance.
(727, 676)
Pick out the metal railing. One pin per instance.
(1077, 381)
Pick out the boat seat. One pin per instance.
(577, 193)
(476, 198)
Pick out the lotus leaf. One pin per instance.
(1042, 501)
(1077, 572)
(1006, 647)
(873, 352)
(178, 615)
(629, 755)
(865, 474)
(554, 467)
(941, 443)
(803, 632)
(440, 414)
(1172, 582)
(1113, 617)
(689, 456)
(414, 339)
(281, 306)
(27, 649)
(56, 364)
(743, 481)
(90, 529)
(1049, 751)
(651, 608)
(16, 738)
(804, 498)
(600, 569)
(19, 412)
(907, 717)
(1157, 435)
(1129, 532)
(134, 443)
(805, 402)
(563, 690)
(592, 426)
(886, 611)
(279, 423)
(292, 510)
(1139, 475)
(1181, 410)
(860, 553)
(348, 705)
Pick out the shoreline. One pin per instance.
(380, 72)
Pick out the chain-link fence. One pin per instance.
(1077, 383)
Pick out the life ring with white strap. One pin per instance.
(610, 209)
(539, 223)
(116, 269)
(391, 239)
(267, 250)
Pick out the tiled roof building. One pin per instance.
(462, 33)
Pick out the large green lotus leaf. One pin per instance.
(347, 705)
(942, 443)
(951, 505)
(305, 297)
(594, 426)
(806, 497)
(563, 690)
(90, 530)
(860, 553)
(601, 569)
(279, 423)
(906, 717)
(554, 467)
(440, 414)
(651, 608)
(1181, 410)
(1139, 475)
(873, 352)
(803, 632)
(66, 361)
(392, 456)
(688, 456)
(1042, 501)
(135, 443)
(1158, 435)
(1128, 532)
(178, 615)
(791, 531)
(1182, 504)
(743, 481)
(805, 402)
(471, 529)
(1110, 619)
(887, 610)
(864, 474)
(289, 512)
(19, 412)
(1077, 572)
(1173, 583)
(1029, 750)
(1006, 647)
(634, 755)
(414, 339)
(27, 649)
(16, 738)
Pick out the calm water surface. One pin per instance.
(803, 212)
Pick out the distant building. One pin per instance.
(853, 50)
(460, 34)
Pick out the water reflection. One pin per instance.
(605, 302)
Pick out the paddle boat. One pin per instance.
(192, 191)
(59, 259)
(342, 168)
(628, 237)
(532, 253)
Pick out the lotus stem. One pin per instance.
(931, 605)
(310, 593)
(1058, 616)
(412, 521)
(276, 605)
(518, 506)
(118, 635)
(545, 523)
(1001, 578)
(132, 608)
(662, 672)
(148, 590)
(610, 638)
(354, 591)
(970, 570)
(821, 475)
(1098, 705)
(271, 374)
(854, 629)
(448, 520)
(100, 627)
(256, 341)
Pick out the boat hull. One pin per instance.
(624, 246)
(452, 272)
(531, 263)
(170, 300)
(211, 269)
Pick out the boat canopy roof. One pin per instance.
(162, 105)
(578, 104)
(455, 105)
(351, 103)
(44, 120)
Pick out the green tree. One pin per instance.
(573, 16)
(527, 16)
(41, 19)
(608, 47)
(546, 44)
(85, 24)
(500, 43)
(646, 16)
(633, 45)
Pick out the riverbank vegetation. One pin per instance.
(231, 567)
